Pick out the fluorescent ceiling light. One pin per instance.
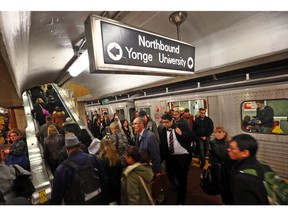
(81, 63)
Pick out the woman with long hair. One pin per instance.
(110, 158)
(128, 131)
(37, 111)
(53, 144)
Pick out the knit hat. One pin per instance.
(71, 141)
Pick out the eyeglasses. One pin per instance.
(135, 123)
(218, 132)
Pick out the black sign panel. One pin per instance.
(125, 46)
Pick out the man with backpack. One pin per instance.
(80, 179)
(247, 189)
(253, 181)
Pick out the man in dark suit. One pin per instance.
(175, 149)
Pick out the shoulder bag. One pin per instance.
(45, 112)
(206, 182)
(146, 190)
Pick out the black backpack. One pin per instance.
(86, 185)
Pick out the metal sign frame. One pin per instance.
(96, 44)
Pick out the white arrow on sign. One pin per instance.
(190, 62)
(114, 51)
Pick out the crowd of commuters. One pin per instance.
(129, 157)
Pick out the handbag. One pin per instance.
(44, 111)
(206, 182)
(22, 160)
(23, 186)
(160, 185)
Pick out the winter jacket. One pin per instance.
(189, 118)
(58, 117)
(152, 126)
(63, 177)
(248, 189)
(149, 144)
(53, 145)
(218, 151)
(37, 113)
(121, 142)
(221, 166)
(132, 190)
(18, 154)
(266, 116)
(203, 127)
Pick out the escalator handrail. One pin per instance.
(69, 107)
(41, 174)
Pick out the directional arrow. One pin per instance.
(190, 62)
(114, 51)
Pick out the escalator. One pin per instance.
(41, 174)
(69, 107)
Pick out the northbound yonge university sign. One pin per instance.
(114, 46)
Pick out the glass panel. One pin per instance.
(265, 116)
(196, 105)
(103, 110)
(147, 110)
(131, 114)
(192, 105)
(184, 104)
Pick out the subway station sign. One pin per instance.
(115, 47)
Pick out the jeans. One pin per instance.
(203, 145)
